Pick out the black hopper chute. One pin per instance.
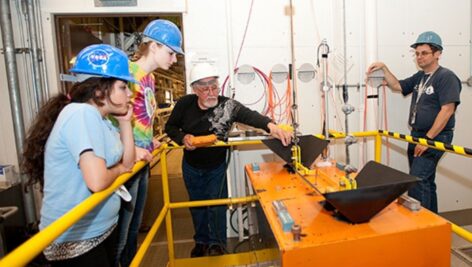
(311, 147)
(377, 186)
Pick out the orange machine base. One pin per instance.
(394, 237)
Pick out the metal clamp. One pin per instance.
(409, 202)
(348, 109)
(22, 50)
(297, 232)
(349, 140)
(6, 212)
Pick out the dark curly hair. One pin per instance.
(94, 89)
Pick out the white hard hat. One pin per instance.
(201, 71)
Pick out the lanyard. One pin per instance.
(422, 86)
(421, 89)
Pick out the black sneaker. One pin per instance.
(199, 250)
(215, 250)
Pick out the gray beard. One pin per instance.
(211, 103)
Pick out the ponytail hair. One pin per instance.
(94, 90)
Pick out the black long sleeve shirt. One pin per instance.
(188, 118)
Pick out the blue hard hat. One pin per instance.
(428, 37)
(166, 33)
(103, 60)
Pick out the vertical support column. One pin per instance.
(370, 24)
(229, 43)
(35, 53)
(166, 198)
(15, 100)
(378, 148)
(39, 24)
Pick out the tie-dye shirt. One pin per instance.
(144, 106)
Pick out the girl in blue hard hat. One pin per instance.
(161, 43)
(72, 150)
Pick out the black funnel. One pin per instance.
(377, 186)
(311, 147)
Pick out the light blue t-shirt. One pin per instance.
(79, 127)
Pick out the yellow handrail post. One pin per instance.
(166, 196)
(149, 237)
(170, 238)
(22, 255)
(378, 147)
(27, 251)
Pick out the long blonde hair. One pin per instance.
(143, 50)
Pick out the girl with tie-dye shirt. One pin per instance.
(144, 107)
(161, 43)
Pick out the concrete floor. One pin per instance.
(461, 250)
(183, 231)
(459, 258)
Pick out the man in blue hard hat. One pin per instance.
(435, 96)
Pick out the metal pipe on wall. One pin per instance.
(325, 89)
(15, 98)
(39, 28)
(229, 42)
(293, 77)
(36, 70)
(470, 45)
(25, 59)
(345, 88)
(370, 25)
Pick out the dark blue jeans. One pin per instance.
(209, 223)
(131, 214)
(424, 167)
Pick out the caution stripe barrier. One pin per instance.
(431, 143)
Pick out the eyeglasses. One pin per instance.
(206, 87)
(423, 53)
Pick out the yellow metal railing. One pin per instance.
(378, 152)
(28, 250)
(36, 244)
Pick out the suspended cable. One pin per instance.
(244, 35)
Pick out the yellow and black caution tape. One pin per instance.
(431, 143)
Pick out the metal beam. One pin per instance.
(15, 99)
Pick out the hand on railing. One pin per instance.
(156, 143)
(188, 142)
(143, 154)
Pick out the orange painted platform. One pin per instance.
(394, 237)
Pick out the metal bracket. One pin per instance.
(469, 81)
(409, 202)
(6, 212)
(348, 109)
(349, 140)
(24, 50)
(67, 78)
